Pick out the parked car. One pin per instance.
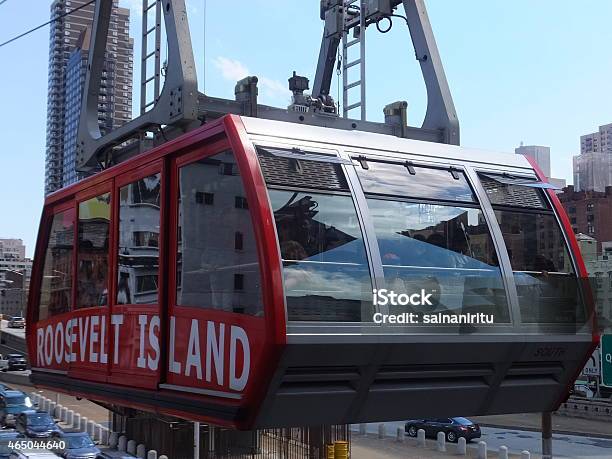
(4, 387)
(33, 454)
(78, 445)
(13, 403)
(16, 362)
(37, 424)
(5, 437)
(16, 322)
(453, 428)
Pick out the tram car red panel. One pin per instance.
(256, 273)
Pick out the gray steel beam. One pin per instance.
(178, 100)
(441, 112)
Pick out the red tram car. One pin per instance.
(227, 276)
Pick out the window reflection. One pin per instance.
(443, 249)
(545, 280)
(325, 267)
(94, 223)
(56, 286)
(211, 272)
(415, 182)
(138, 254)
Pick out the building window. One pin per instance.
(572, 210)
(238, 241)
(240, 202)
(590, 207)
(205, 198)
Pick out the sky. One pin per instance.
(520, 71)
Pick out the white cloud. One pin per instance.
(231, 69)
(234, 70)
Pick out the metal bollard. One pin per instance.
(163, 456)
(141, 451)
(421, 438)
(69, 417)
(441, 443)
(503, 452)
(83, 425)
(113, 439)
(131, 447)
(91, 428)
(482, 450)
(362, 429)
(525, 455)
(58, 412)
(76, 421)
(381, 430)
(122, 443)
(64, 414)
(461, 446)
(152, 454)
(52, 406)
(399, 437)
(104, 434)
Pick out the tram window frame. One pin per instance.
(362, 164)
(546, 210)
(90, 193)
(300, 161)
(177, 237)
(124, 180)
(49, 219)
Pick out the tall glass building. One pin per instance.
(68, 50)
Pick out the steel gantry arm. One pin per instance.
(441, 114)
(177, 104)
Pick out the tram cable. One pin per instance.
(45, 24)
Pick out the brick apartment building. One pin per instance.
(590, 212)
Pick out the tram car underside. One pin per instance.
(256, 273)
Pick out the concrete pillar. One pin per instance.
(461, 446)
(163, 456)
(131, 447)
(97, 435)
(421, 438)
(69, 417)
(141, 451)
(76, 421)
(122, 444)
(113, 439)
(441, 443)
(91, 428)
(104, 434)
(503, 452)
(525, 455)
(362, 429)
(399, 434)
(152, 454)
(381, 430)
(52, 406)
(83, 425)
(482, 450)
(64, 414)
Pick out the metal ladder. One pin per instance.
(352, 13)
(146, 54)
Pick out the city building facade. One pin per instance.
(12, 248)
(69, 45)
(590, 213)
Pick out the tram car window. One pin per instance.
(432, 234)
(546, 281)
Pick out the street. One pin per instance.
(564, 446)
